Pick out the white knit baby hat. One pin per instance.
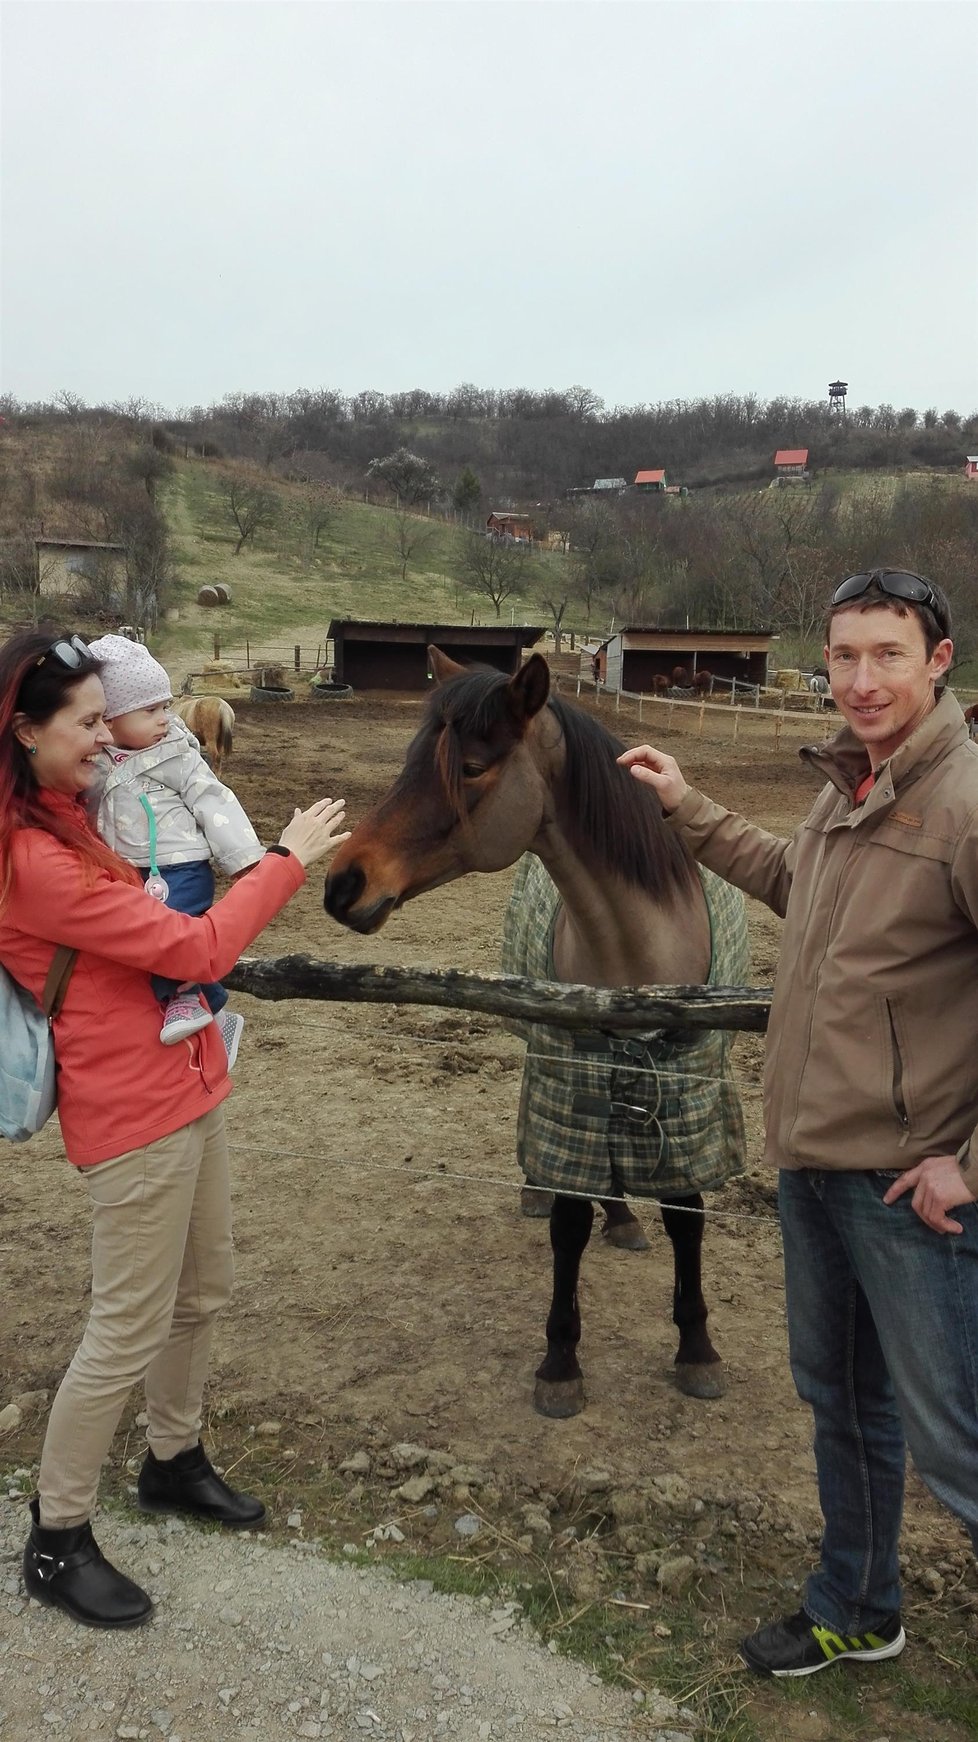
(131, 677)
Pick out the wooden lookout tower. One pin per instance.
(837, 397)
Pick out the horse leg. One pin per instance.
(559, 1389)
(534, 1201)
(699, 1369)
(621, 1227)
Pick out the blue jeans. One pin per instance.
(883, 1336)
(191, 891)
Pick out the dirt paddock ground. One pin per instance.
(388, 1289)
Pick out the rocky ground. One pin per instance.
(250, 1640)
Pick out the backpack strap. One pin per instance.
(56, 984)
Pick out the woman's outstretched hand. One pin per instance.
(658, 771)
(312, 834)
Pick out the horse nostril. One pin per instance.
(343, 890)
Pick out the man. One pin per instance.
(871, 1098)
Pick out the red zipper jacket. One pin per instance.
(119, 1088)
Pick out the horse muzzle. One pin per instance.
(342, 900)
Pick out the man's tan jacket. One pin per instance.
(872, 1056)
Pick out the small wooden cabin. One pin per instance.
(394, 656)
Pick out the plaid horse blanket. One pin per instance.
(646, 1114)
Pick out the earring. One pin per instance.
(32, 749)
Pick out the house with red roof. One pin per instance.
(649, 481)
(791, 463)
(971, 468)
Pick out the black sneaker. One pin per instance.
(797, 1645)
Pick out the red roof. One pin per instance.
(791, 457)
(656, 477)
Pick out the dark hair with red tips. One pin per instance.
(34, 682)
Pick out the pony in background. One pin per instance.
(211, 720)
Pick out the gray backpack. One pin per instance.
(28, 1087)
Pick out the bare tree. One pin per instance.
(410, 535)
(250, 508)
(492, 566)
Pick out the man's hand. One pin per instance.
(938, 1186)
(659, 771)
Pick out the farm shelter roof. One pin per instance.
(609, 484)
(444, 634)
(657, 476)
(74, 544)
(703, 640)
(791, 457)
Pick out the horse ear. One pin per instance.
(529, 689)
(442, 668)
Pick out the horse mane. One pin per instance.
(613, 822)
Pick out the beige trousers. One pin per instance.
(162, 1268)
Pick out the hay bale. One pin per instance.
(223, 593)
(208, 596)
(788, 679)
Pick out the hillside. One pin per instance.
(727, 555)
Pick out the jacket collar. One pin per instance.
(845, 761)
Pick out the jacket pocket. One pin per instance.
(897, 1071)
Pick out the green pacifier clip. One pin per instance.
(155, 885)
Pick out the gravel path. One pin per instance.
(260, 1642)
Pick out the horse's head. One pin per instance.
(471, 796)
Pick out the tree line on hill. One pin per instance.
(736, 555)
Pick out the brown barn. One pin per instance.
(634, 657)
(394, 656)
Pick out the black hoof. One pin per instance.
(535, 1202)
(559, 1398)
(704, 1379)
(627, 1236)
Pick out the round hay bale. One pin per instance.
(207, 596)
(223, 593)
(260, 694)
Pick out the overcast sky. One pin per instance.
(653, 199)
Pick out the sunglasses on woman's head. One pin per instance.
(898, 583)
(71, 653)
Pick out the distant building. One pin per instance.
(971, 467)
(791, 463)
(610, 486)
(66, 565)
(394, 656)
(634, 657)
(650, 481)
(518, 526)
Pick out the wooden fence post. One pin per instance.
(778, 723)
(248, 654)
(298, 658)
(217, 647)
(736, 723)
(618, 701)
(699, 729)
(640, 701)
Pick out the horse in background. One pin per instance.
(818, 686)
(500, 769)
(211, 720)
(971, 716)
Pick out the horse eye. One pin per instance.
(472, 770)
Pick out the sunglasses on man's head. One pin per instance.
(71, 653)
(898, 583)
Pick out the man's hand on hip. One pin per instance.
(938, 1186)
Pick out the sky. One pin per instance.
(657, 200)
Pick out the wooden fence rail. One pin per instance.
(630, 1011)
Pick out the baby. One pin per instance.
(160, 806)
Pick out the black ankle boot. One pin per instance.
(67, 1570)
(189, 1483)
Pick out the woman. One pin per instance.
(144, 1124)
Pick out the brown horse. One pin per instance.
(211, 720)
(497, 770)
